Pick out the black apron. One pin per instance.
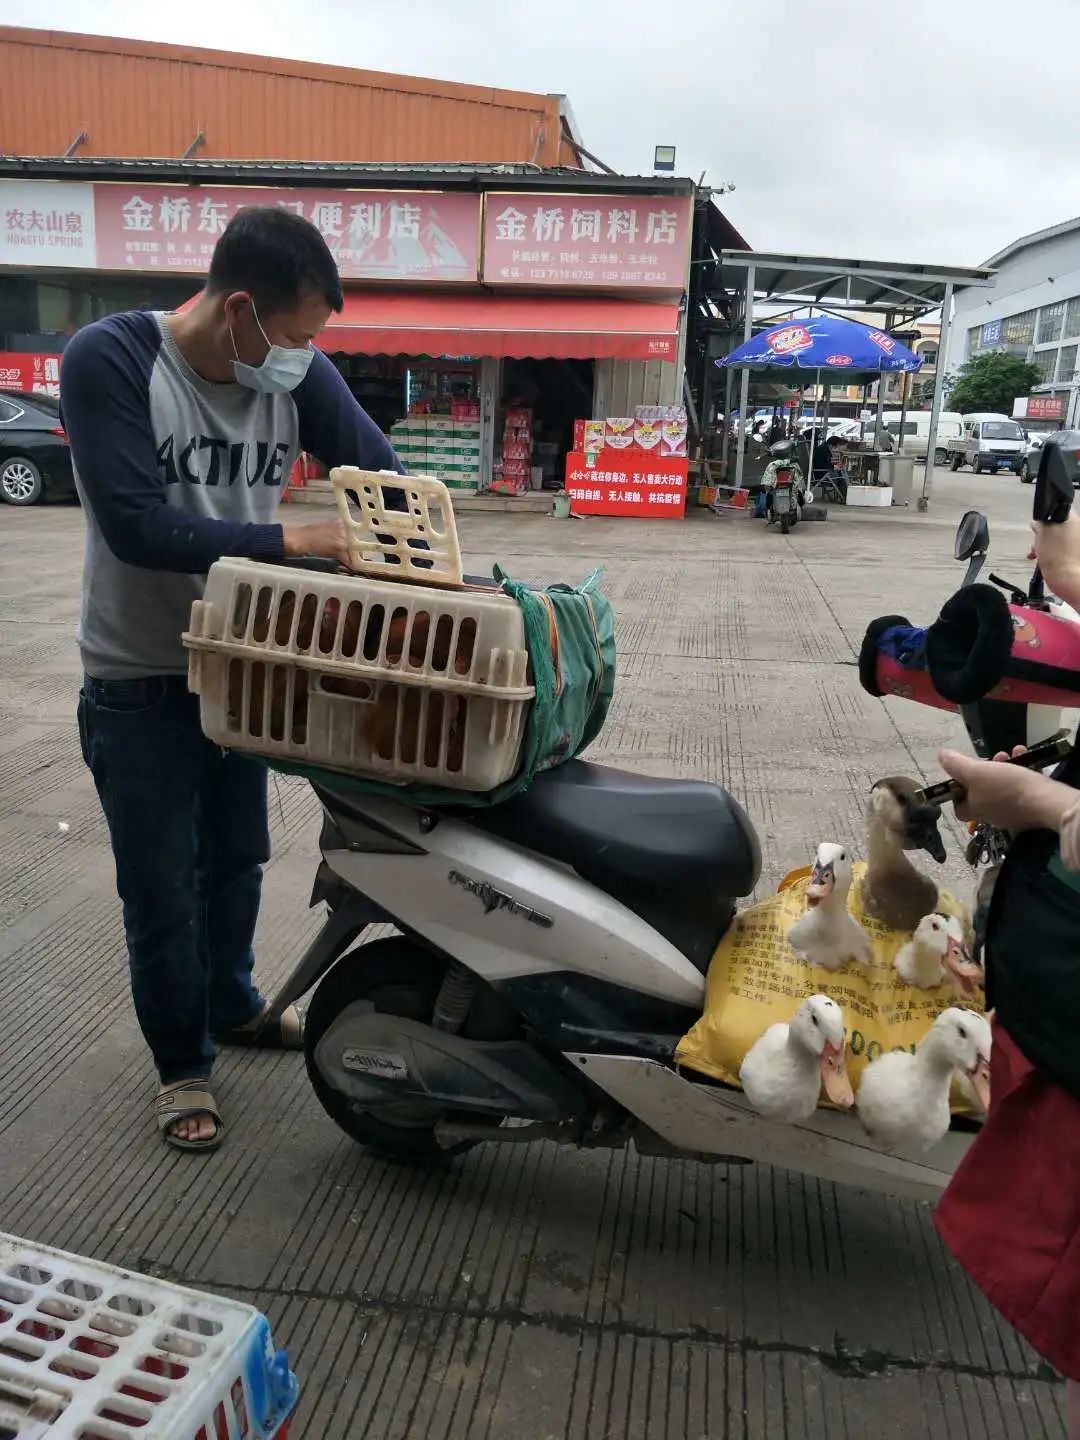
(1033, 951)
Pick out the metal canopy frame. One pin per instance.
(903, 291)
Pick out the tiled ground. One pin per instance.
(541, 1293)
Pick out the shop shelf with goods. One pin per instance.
(93, 1351)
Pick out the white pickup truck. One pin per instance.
(987, 442)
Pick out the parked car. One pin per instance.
(34, 457)
(1069, 442)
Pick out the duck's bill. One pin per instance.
(834, 1076)
(963, 969)
(980, 1079)
(932, 843)
(821, 884)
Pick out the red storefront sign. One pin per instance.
(374, 234)
(1045, 407)
(621, 241)
(626, 482)
(30, 372)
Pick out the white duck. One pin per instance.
(786, 1067)
(904, 1099)
(936, 953)
(828, 935)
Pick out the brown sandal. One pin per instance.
(180, 1102)
(282, 1032)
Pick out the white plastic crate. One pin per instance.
(394, 682)
(91, 1352)
(419, 542)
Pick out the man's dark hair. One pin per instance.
(276, 256)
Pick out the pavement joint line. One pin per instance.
(842, 1360)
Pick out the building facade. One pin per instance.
(1031, 311)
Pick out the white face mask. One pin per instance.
(282, 370)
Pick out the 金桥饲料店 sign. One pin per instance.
(626, 482)
(617, 241)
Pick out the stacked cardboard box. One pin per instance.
(441, 446)
(516, 468)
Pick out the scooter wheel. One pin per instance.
(785, 524)
(398, 978)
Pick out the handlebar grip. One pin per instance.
(1053, 487)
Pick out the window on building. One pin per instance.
(1044, 362)
(1051, 318)
(929, 357)
(1019, 329)
(1072, 317)
(1066, 367)
(974, 339)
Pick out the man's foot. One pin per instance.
(284, 1032)
(188, 1117)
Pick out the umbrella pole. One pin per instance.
(744, 386)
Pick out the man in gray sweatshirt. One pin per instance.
(183, 430)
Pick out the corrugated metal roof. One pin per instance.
(136, 97)
(389, 175)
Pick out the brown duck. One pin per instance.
(893, 891)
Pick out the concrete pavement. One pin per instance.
(542, 1293)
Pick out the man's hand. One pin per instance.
(1057, 549)
(1007, 796)
(318, 537)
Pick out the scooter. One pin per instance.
(550, 953)
(788, 492)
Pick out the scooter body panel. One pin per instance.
(505, 912)
(709, 1120)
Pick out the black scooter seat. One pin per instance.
(676, 852)
(636, 827)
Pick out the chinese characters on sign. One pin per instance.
(374, 234)
(46, 223)
(567, 240)
(19, 371)
(615, 242)
(626, 482)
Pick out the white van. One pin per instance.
(990, 442)
(917, 432)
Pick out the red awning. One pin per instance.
(539, 326)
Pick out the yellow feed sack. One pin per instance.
(756, 979)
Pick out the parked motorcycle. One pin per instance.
(786, 488)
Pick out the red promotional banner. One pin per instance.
(621, 241)
(626, 482)
(374, 234)
(19, 371)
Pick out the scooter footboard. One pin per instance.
(712, 1120)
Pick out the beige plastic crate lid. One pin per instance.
(419, 543)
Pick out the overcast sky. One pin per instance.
(926, 130)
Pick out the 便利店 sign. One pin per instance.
(619, 241)
(373, 234)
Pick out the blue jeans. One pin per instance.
(189, 836)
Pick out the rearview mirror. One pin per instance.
(972, 536)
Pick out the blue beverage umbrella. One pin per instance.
(823, 342)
